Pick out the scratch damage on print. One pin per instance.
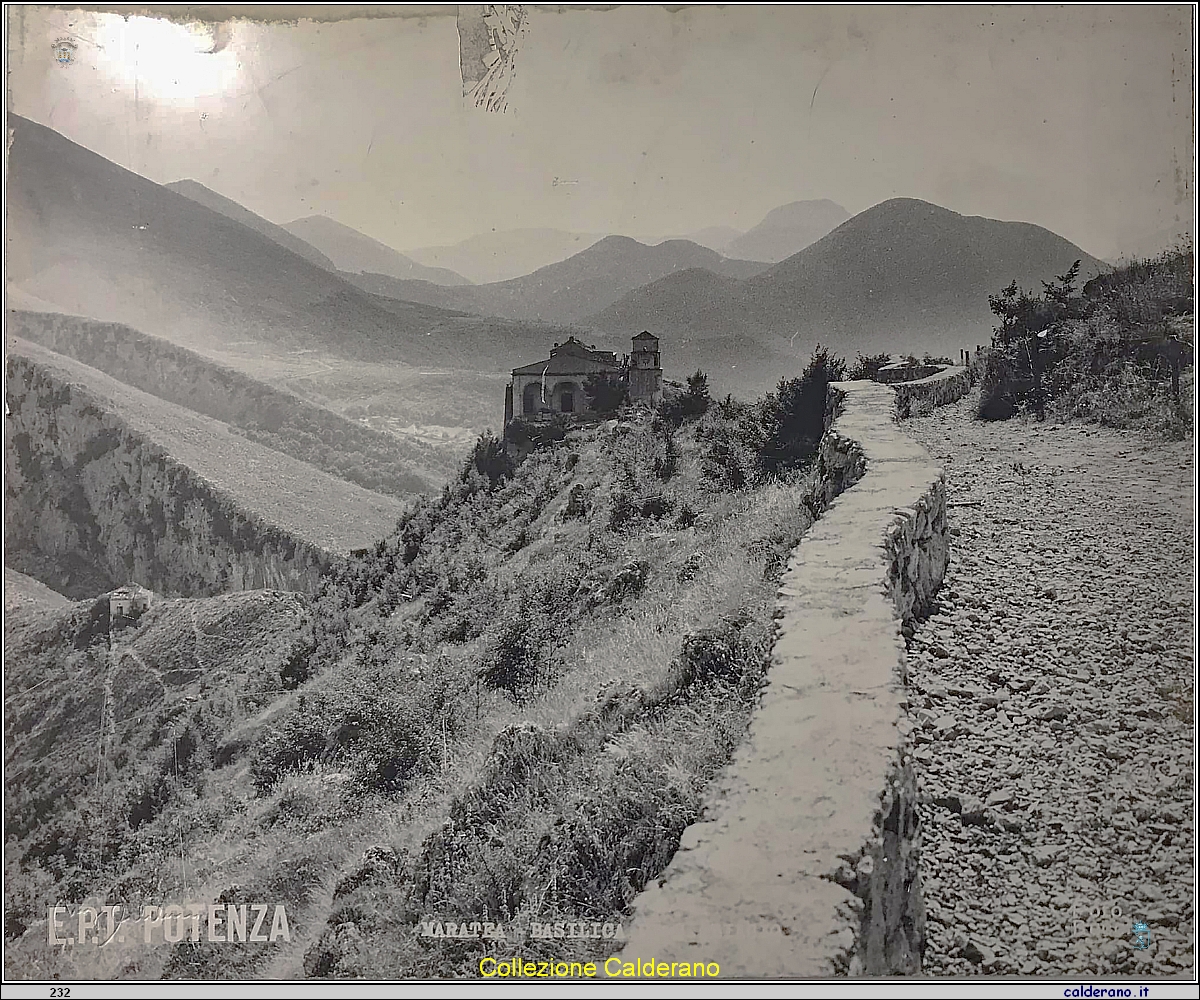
(488, 38)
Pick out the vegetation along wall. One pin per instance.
(807, 861)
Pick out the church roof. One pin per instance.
(572, 357)
(568, 364)
(645, 335)
(573, 346)
(130, 590)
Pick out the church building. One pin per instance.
(556, 385)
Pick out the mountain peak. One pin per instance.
(202, 195)
(905, 275)
(800, 212)
(358, 253)
(788, 229)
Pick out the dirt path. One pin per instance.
(1052, 693)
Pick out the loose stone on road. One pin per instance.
(1051, 693)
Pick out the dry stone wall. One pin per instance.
(923, 394)
(807, 861)
(892, 374)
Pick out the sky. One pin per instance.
(640, 119)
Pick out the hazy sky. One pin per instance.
(644, 121)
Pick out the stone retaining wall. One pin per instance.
(806, 863)
(922, 395)
(893, 374)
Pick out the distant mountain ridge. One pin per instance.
(90, 238)
(787, 230)
(239, 213)
(498, 256)
(903, 275)
(358, 253)
(576, 287)
(715, 238)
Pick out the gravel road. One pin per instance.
(1052, 697)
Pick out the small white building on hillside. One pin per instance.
(128, 602)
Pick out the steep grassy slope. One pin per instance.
(527, 684)
(278, 419)
(105, 484)
(24, 592)
(107, 742)
(902, 274)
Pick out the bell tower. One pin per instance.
(645, 370)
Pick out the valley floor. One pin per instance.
(1052, 694)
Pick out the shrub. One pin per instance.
(606, 393)
(713, 654)
(489, 459)
(687, 405)
(685, 517)
(512, 661)
(731, 442)
(529, 434)
(298, 742)
(629, 581)
(623, 511)
(577, 503)
(392, 751)
(296, 669)
(794, 415)
(1102, 355)
(723, 463)
(867, 365)
(666, 459)
(655, 507)
(997, 395)
(367, 725)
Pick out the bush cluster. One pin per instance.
(1110, 353)
(866, 365)
(746, 444)
(694, 402)
(611, 821)
(380, 725)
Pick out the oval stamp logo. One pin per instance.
(64, 51)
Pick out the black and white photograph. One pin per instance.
(664, 495)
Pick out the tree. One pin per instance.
(794, 415)
(489, 459)
(1029, 328)
(1061, 291)
(692, 403)
(606, 392)
(697, 391)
